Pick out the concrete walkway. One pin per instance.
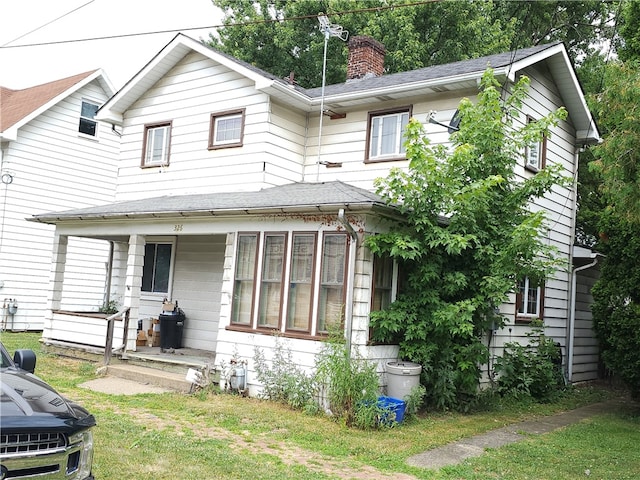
(457, 452)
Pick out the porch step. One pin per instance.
(145, 375)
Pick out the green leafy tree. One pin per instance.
(616, 307)
(612, 209)
(630, 31)
(283, 36)
(618, 157)
(469, 235)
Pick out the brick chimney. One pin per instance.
(366, 58)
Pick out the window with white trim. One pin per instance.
(88, 125)
(386, 134)
(157, 267)
(536, 153)
(226, 129)
(157, 141)
(529, 300)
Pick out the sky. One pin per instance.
(25, 25)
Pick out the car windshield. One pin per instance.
(5, 359)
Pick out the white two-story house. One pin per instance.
(54, 155)
(237, 198)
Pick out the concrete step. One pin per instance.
(145, 375)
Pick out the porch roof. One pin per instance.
(321, 197)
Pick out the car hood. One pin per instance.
(28, 401)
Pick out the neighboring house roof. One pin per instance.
(18, 107)
(424, 81)
(291, 198)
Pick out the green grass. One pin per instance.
(217, 436)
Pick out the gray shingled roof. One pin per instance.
(292, 197)
(434, 72)
(389, 80)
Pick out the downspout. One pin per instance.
(572, 318)
(571, 303)
(348, 308)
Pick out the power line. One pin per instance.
(48, 23)
(211, 27)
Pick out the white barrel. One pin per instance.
(402, 377)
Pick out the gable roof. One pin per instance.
(289, 198)
(424, 81)
(19, 107)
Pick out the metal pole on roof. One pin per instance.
(329, 30)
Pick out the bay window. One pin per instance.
(332, 281)
(242, 304)
(271, 284)
(301, 282)
(296, 280)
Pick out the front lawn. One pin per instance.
(219, 436)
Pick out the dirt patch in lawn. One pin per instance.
(259, 444)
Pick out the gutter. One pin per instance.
(348, 308)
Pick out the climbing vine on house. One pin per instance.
(468, 235)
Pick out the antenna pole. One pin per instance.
(328, 30)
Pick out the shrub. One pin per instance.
(532, 370)
(283, 380)
(351, 384)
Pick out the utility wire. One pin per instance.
(48, 23)
(211, 27)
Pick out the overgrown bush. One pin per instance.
(345, 386)
(351, 384)
(533, 370)
(282, 379)
(459, 270)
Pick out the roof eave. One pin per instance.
(375, 207)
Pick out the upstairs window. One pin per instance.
(385, 134)
(226, 129)
(88, 125)
(157, 140)
(536, 153)
(529, 301)
(157, 267)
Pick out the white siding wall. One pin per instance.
(586, 352)
(559, 204)
(54, 168)
(344, 139)
(273, 142)
(197, 284)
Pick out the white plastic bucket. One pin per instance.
(402, 377)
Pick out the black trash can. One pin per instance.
(171, 326)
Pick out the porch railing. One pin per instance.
(122, 315)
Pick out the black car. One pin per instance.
(42, 434)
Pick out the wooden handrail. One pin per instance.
(108, 345)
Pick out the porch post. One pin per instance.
(56, 279)
(135, 264)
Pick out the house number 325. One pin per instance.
(177, 228)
